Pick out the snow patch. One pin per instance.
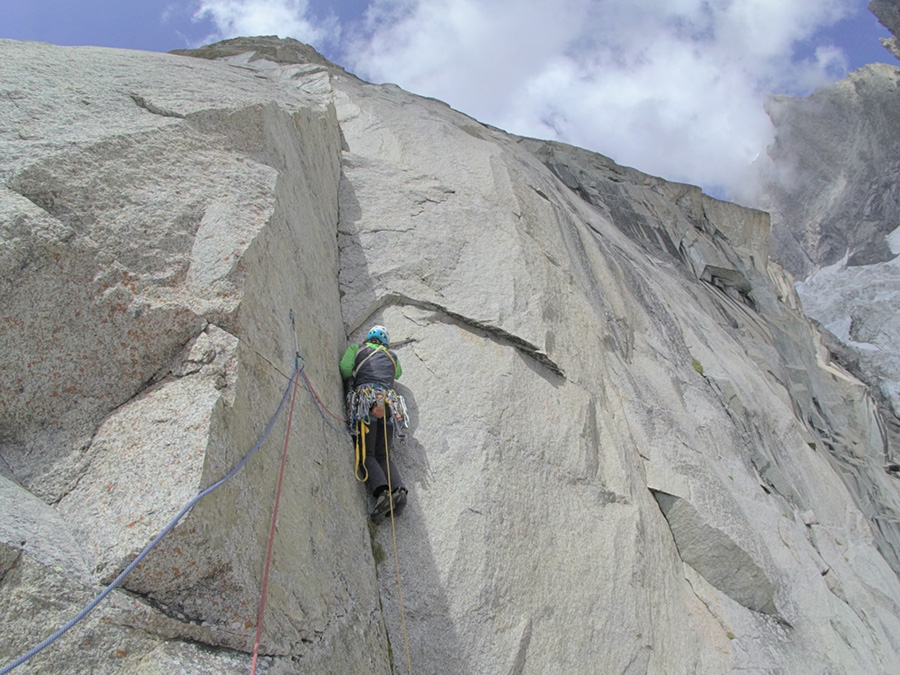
(824, 272)
(893, 240)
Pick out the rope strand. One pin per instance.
(387, 462)
(134, 563)
(320, 407)
(265, 580)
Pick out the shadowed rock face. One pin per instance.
(627, 445)
(888, 13)
(162, 217)
(831, 183)
(833, 186)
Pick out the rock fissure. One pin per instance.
(143, 103)
(719, 619)
(10, 558)
(494, 332)
(72, 485)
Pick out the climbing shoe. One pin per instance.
(382, 507)
(383, 504)
(399, 500)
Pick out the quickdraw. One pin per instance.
(369, 401)
(366, 404)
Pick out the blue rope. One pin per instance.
(312, 393)
(134, 563)
(316, 401)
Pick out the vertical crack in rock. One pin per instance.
(518, 666)
(717, 557)
(714, 614)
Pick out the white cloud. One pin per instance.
(673, 87)
(671, 114)
(473, 54)
(285, 18)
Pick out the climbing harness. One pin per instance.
(370, 401)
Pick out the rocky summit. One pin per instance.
(630, 451)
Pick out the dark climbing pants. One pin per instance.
(376, 458)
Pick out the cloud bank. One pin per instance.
(674, 88)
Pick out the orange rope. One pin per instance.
(265, 581)
(319, 400)
(387, 462)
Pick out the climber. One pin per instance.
(368, 372)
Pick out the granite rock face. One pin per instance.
(832, 185)
(888, 14)
(832, 188)
(164, 218)
(628, 445)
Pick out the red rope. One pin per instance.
(319, 400)
(265, 582)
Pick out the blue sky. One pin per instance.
(675, 88)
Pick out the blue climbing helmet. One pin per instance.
(378, 333)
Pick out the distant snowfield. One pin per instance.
(893, 240)
(858, 305)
